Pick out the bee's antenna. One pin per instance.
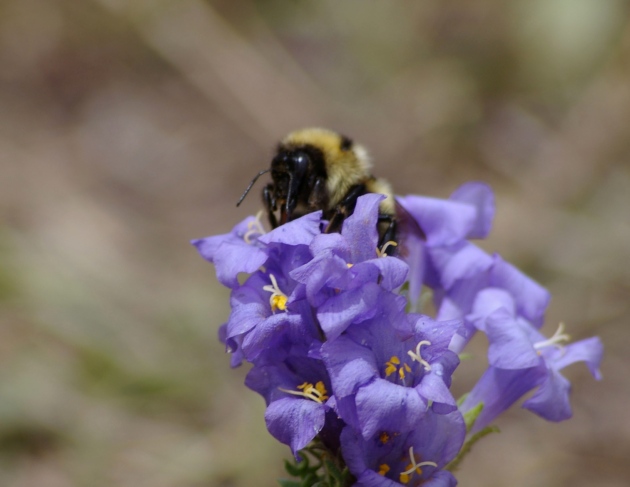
(251, 184)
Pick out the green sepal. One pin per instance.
(462, 398)
(317, 467)
(303, 470)
(470, 416)
(289, 483)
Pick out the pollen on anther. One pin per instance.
(277, 300)
(317, 393)
(391, 366)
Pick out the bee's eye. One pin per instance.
(299, 162)
(300, 159)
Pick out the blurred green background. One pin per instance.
(128, 127)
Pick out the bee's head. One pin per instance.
(289, 169)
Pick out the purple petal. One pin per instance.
(349, 364)
(270, 333)
(383, 406)
(438, 437)
(444, 222)
(590, 350)
(498, 389)
(249, 306)
(441, 479)
(488, 301)
(459, 262)
(439, 333)
(317, 274)
(510, 345)
(481, 197)
(414, 254)
(230, 257)
(530, 297)
(331, 243)
(295, 422)
(433, 388)
(297, 232)
(392, 270)
(551, 400)
(354, 306)
(360, 228)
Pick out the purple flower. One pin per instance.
(297, 392)
(268, 310)
(346, 274)
(233, 252)
(385, 373)
(394, 457)
(521, 359)
(465, 272)
(468, 213)
(338, 357)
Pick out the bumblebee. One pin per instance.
(317, 169)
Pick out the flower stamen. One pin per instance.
(557, 340)
(277, 300)
(382, 252)
(254, 229)
(418, 358)
(317, 393)
(413, 467)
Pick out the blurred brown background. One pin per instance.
(128, 127)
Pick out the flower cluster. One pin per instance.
(326, 322)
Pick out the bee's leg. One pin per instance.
(270, 205)
(389, 235)
(345, 208)
(318, 198)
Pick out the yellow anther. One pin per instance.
(404, 369)
(317, 393)
(391, 366)
(277, 300)
(348, 265)
(383, 469)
